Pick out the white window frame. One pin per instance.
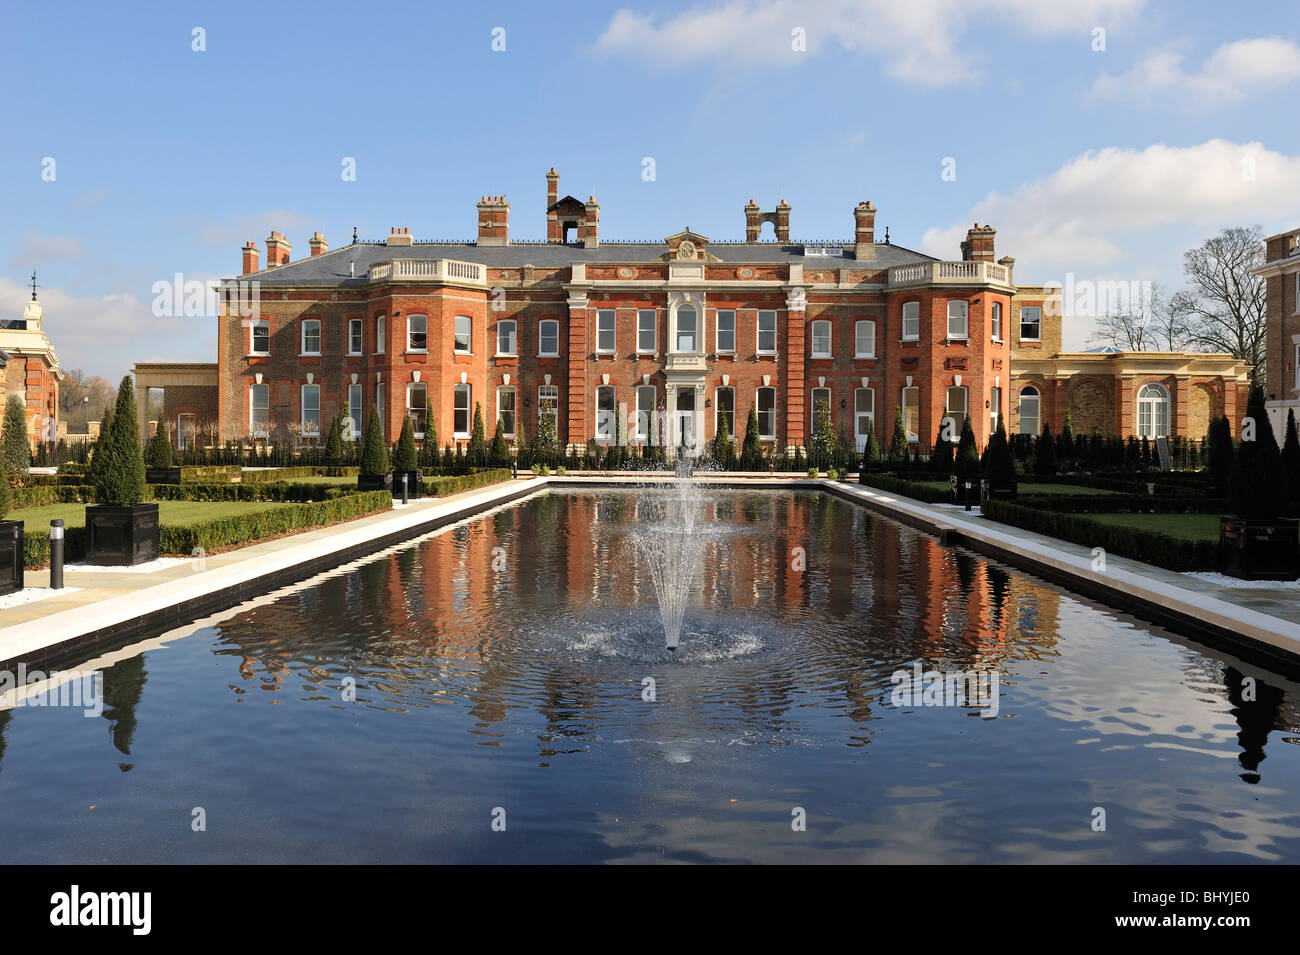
(412, 408)
(860, 436)
(548, 402)
(468, 391)
(645, 418)
(252, 410)
(641, 315)
(303, 337)
(356, 336)
(506, 327)
(1037, 311)
(823, 329)
(950, 412)
(758, 405)
(541, 337)
(514, 408)
(606, 327)
(606, 420)
(677, 331)
(469, 335)
(381, 410)
(1156, 407)
(812, 409)
(381, 326)
(913, 434)
(181, 433)
(718, 412)
(1036, 399)
(995, 409)
(1295, 368)
(995, 322)
(409, 347)
(959, 311)
(302, 417)
(759, 331)
(355, 417)
(1295, 299)
(260, 323)
(912, 316)
(858, 327)
(717, 331)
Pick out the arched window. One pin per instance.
(1029, 410)
(1153, 412)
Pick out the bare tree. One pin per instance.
(1224, 301)
(1155, 321)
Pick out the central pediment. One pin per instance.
(687, 246)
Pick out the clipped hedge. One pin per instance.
(47, 494)
(229, 531)
(72, 467)
(44, 480)
(209, 473)
(1162, 550)
(256, 491)
(282, 474)
(442, 486)
(893, 485)
(1124, 504)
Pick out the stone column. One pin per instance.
(576, 397)
(795, 330)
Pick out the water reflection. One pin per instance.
(510, 655)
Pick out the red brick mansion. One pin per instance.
(593, 332)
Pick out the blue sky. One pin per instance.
(1105, 163)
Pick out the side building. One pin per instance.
(31, 370)
(1281, 274)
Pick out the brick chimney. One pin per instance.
(400, 236)
(277, 250)
(554, 233)
(587, 228)
(783, 221)
(318, 244)
(978, 246)
(864, 230)
(494, 221)
(250, 257)
(753, 222)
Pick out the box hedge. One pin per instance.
(442, 486)
(894, 485)
(1162, 550)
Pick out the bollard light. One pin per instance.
(968, 495)
(404, 500)
(56, 554)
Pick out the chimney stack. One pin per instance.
(783, 221)
(864, 230)
(318, 244)
(978, 246)
(250, 257)
(400, 236)
(753, 222)
(494, 221)
(554, 233)
(587, 228)
(277, 250)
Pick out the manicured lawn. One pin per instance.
(1185, 526)
(1028, 487)
(171, 513)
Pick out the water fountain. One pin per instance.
(672, 544)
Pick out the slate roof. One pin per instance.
(333, 267)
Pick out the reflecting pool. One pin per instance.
(501, 692)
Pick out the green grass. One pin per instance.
(171, 513)
(1186, 526)
(1029, 487)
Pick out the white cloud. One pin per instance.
(1128, 214)
(36, 249)
(107, 334)
(234, 231)
(919, 42)
(1233, 72)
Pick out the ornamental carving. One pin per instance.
(686, 249)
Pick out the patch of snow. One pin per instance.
(1236, 583)
(149, 567)
(31, 595)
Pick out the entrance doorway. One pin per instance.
(684, 419)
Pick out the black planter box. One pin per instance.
(374, 482)
(162, 475)
(1258, 549)
(997, 491)
(121, 536)
(963, 495)
(11, 556)
(414, 481)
